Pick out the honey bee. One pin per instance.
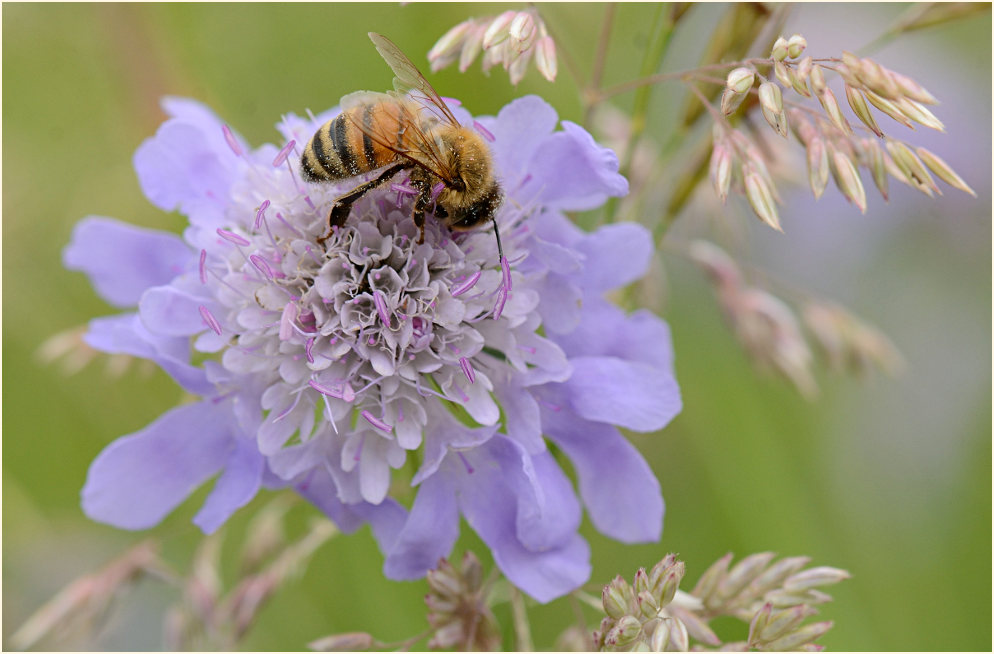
(410, 129)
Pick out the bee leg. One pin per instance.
(343, 205)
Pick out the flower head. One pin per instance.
(330, 362)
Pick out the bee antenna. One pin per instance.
(500, 248)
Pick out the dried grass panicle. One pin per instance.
(773, 597)
(81, 608)
(511, 39)
(831, 142)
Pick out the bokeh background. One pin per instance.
(887, 478)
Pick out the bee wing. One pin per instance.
(410, 81)
(417, 144)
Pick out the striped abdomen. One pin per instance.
(339, 149)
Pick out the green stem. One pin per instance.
(522, 631)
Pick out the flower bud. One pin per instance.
(355, 641)
(660, 636)
(847, 179)
(831, 107)
(878, 79)
(944, 171)
(796, 45)
(623, 633)
(911, 166)
(743, 572)
(472, 47)
(670, 583)
(800, 637)
(784, 621)
(817, 166)
(918, 113)
(708, 582)
(820, 576)
(887, 107)
(912, 89)
(451, 42)
(648, 605)
(875, 162)
(545, 57)
(782, 73)
(780, 47)
(721, 170)
(858, 104)
(760, 197)
(740, 80)
(516, 71)
(499, 29)
(523, 30)
(771, 101)
(679, 638)
(817, 78)
(617, 598)
(759, 622)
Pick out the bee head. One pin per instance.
(479, 211)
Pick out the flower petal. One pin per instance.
(639, 336)
(519, 129)
(171, 311)
(631, 394)
(443, 432)
(430, 531)
(125, 334)
(618, 487)
(498, 498)
(122, 260)
(616, 255)
(571, 172)
(235, 488)
(138, 479)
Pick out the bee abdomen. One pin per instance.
(329, 155)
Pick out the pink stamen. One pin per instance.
(469, 468)
(281, 157)
(376, 422)
(499, 307)
(506, 269)
(467, 369)
(400, 413)
(452, 102)
(209, 318)
(487, 134)
(325, 390)
(466, 285)
(347, 393)
(203, 267)
(435, 190)
(381, 308)
(308, 348)
(232, 141)
(232, 237)
(262, 266)
(261, 213)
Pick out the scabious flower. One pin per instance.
(327, 367)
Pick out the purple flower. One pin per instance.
(328, 365)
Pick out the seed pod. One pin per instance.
(834, 112)
(779, 52)
(771, 101)
(944, 171)
(847, 179)
(760, 198)
(916, 112)
(780, 69)
(877, 165)
(817, 166)
(911, 166)
(888, 108)
(858, 104)
(796, 45)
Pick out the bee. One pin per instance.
(410, 129)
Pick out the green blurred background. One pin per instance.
(888, 479)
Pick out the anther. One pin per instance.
(325, 390)
(281, 157)
(232, 237)
(376, 422)
(203, 267)
(467, 369)
(209, 318)
(262, 266)
(381, 308)
(487, 134)
(232, 141)
(261, 213)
